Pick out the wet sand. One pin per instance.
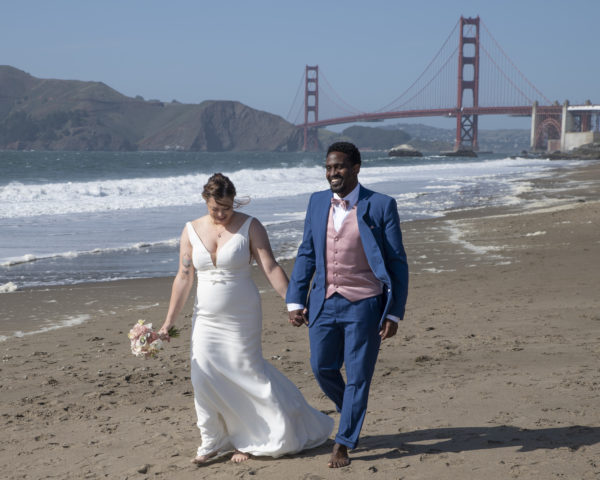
(493, 374)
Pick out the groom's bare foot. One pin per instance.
(202, 459)
(239, 457)
(339, 457)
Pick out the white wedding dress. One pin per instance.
(241, 400)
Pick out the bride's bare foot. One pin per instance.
(339, 457)
(239, 457)
(202, 459)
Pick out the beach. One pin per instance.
(493, 373)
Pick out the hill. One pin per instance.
(48, 114)
(425, 138)
(433, 139)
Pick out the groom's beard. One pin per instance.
(336, 184)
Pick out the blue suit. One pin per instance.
(347, 332)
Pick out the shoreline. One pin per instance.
(493, 373)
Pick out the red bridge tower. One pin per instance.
(468, 79)
(311, 105)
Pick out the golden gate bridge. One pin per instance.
(469, 76)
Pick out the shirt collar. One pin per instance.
(351, 198)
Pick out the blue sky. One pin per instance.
(255, 51)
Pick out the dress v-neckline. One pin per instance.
(216, 259)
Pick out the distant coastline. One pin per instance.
(72, 115)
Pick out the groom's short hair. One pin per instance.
(347, 148)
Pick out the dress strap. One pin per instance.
(194, 239)
(245, 226)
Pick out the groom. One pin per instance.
(352, 251)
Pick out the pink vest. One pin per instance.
(348, 271)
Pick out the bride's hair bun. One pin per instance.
(218, 187)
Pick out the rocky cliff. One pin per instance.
(46, 114)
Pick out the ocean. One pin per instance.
(73, 217)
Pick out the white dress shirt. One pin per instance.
(339, 212)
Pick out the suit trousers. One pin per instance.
(347, 333)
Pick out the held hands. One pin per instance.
(298, 317)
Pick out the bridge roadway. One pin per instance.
(524, 111)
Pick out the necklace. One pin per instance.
(224, 228)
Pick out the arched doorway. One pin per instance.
(547, 129)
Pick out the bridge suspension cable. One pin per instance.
(531, 85)
(424, 87)
(350, 109)
(297, 104)
(387, 107)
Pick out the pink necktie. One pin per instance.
(339, 202)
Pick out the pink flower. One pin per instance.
(144, 341)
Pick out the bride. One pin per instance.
(243, 403)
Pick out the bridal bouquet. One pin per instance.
(145, 342)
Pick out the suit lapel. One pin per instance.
(362, 206)
(365, 224)
(320, 217)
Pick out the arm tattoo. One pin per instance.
(186, 262)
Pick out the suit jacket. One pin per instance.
(379, 227)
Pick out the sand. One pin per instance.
(493, 374)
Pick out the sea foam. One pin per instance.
(24, 200)
(8, 287)
(29, 258)
(66, 322)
